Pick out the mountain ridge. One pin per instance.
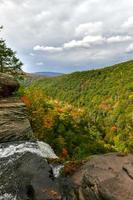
(107, 96)
(48, 74)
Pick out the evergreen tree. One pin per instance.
(8, 60)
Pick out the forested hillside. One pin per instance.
(105, 94)
(89, 88)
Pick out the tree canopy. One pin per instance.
(9, 63)
(106, 95)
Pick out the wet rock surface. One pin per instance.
(8, 85)
(106, 177)
(26, 175)
(14, 124)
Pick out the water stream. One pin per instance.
(10, 152)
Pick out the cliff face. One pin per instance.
(14, 125)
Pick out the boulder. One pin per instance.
(106, 177)
(8, 85)
(26, 175)
(14, 124)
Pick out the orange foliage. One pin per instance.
(114, 128)
(64, 153)
(60, 110)
(48, 121)
(53, 194)
(25, 100)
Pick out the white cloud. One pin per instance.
(89, 28)
(85, 42)
(89, 40)
(129, 23)
(47, 49)
(73, 31)
(119, 38)
(130, 48)
(76, 43)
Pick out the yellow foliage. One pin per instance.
(48, 120)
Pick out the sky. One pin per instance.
(68, 35)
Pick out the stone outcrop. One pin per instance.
(25, 173)
(14, 125)
(8, 85)
(106, 177)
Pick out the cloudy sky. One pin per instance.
(68, 35)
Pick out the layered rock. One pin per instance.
(106, 177)
(8, 85)
(14, 125)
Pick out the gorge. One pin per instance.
(27, 170)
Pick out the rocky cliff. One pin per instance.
(14, 125)
(106, 177)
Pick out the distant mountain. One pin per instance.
(90, 88)
(30, 77)
(48, 74)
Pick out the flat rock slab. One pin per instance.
(106, 177)
(14, 124)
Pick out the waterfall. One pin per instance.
(11, 152)
(40, 148)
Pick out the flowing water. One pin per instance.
(10, 152)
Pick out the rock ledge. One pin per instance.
(106, 177)
(14, 125)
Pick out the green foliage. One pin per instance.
(107, 97)
(9, 63)
(64, 127)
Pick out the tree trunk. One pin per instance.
(1, 66)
